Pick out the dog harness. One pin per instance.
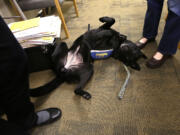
(101, 54)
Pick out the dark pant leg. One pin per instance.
(152, 18)
(171, 34)
(14, 83)
(7, 128)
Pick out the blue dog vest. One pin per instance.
(101, 54)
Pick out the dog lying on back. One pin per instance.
(76, 64)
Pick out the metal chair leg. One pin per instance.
(17, 9)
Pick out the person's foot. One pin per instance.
(157, 60)
(142, 42)
(47, 116)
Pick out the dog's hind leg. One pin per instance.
(85, 74)
(59, 56)
(108, 22)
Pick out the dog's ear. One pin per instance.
(135, 66)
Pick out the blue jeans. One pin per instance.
(171, 34)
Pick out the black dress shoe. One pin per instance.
(142, 45)
(153, 63)
(47, 116)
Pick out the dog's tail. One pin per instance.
(108, 22)
(50, 86)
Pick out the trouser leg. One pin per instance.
(14, 83)
(171, 35)
(152, 18)
(7, 128)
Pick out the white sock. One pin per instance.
(42, 116)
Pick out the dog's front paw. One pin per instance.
(86, 95)
(83, 93)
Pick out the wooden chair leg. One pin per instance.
(75, 6)
(44, 11)
(14, 8)
(61, 17)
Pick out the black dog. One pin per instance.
(129, 53)
(75, 64)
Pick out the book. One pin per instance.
(42, 31)
(23, 25)
(40, 41)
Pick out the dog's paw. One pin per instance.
(107, 19)
(86, 95)
(82, 93)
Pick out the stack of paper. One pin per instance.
(37, 31)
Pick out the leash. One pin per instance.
(123, 88)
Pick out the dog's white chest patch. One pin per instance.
(73, 59)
